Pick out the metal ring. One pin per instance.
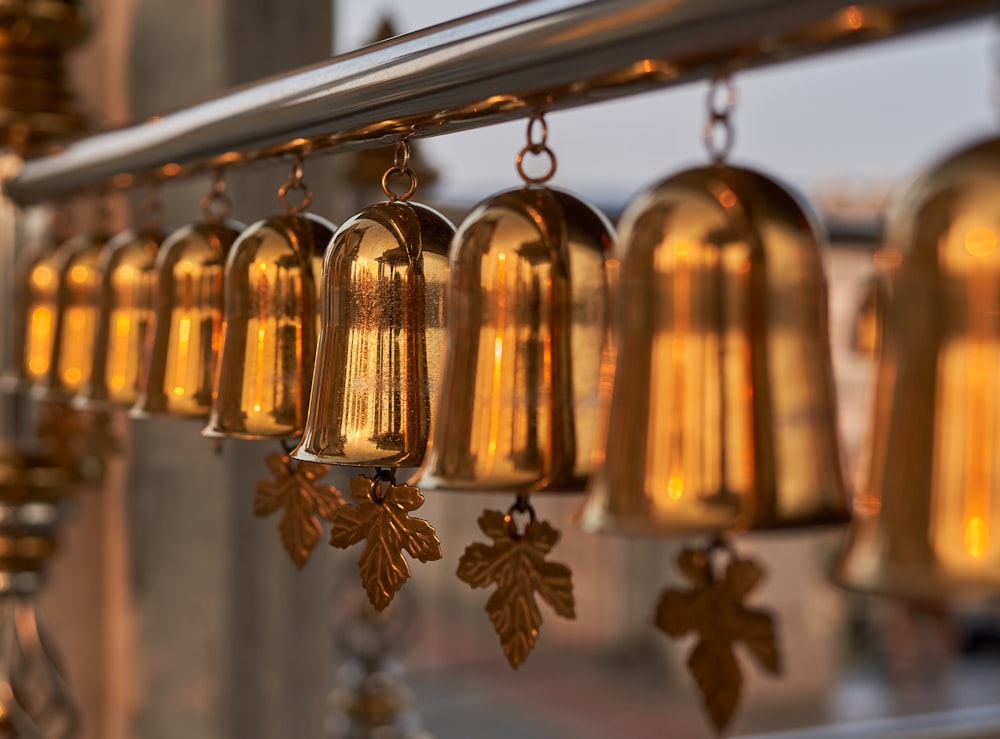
(151, 211)
(719, 150)
(296, 185)
(404, 172)
(520, 506)
(401, 157)
(537, 119)
(216, 206)
(538, 151)
(720, 108)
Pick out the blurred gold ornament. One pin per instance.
(295, 490)
(74, 323)
(270, 324)
(927, 525)
(184, 350)
(381, 338)
(515, 562)
(382, 520)
(713, 609)
(125, 321)
(718, 408)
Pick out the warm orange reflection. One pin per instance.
(980, 241)
(977, 537)
(39, 344)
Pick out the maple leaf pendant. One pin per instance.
(713, 609)
(305, 502)
(515, 563)
(382, 519)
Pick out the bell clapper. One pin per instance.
(294, 488)
(713, 609)
(516, 563)
(381, 518)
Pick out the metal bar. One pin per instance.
(475, 71)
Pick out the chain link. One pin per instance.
(400, 168)
(295, 183)
(719, 135)
(216, 205)
(151, 216)
(537, 145)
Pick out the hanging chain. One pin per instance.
(151, 211)
(400, 168)
(295, 183)
(719, 135)
(537, 145)
(103, 215)
(216, 205)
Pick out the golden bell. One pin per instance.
(381, 338)
(127, 318)
(927, 525)
(527, 316)
(78, 303)
(184, 350)
(36, 294)
(721, 412)
(269, 334)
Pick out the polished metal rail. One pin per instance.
(493, 66)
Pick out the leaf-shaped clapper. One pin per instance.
(382, 519)
(516, 564)
(294, 488)
(713, 609)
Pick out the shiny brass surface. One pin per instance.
(527, 316)
(125, 323)
(927, 523)
(185, 342)
(78, 302)
(718, 408)
(269, 333)
(381, 338)
(36, 294)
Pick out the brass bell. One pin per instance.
(125, 323)
(381, 338)
(927, 525)
(36, 289)
(269, 334)
(527, 316)
(718, 404)
(184, 349)
(78, 303)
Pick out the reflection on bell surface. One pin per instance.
(184, 349)
(78, 301)
(527, 316)
(125, 323)
(269, 335)
(718, 404)
(381, 339)
(927, 526)
(36, 289)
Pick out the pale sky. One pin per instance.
(872, 114)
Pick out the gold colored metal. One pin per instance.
(36, 296)
(188, 324)
(382, 520)
(125, 323)
(269, 334)
(515, 562)
(295, 489)
(713, 609)
(527, 316)
(538, 136)
(78, 304)
(381, 338)
(718, 408)
(869, 318)
(927, 524)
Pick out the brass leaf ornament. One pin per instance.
(381, 519)
(714, 610)
(515, 563)
(296, 490)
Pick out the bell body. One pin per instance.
(381, 340)
(927, 525)
(718, 406)
(125, 323)
(36, 294)
(527, 315)
(184, 349)
(78, 303)
(269, 335)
